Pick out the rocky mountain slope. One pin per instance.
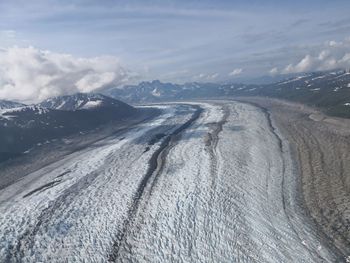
(82, 101)
(27, 126)
(6, 104)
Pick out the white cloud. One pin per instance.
(7, 34)
(324, 54)
(207, 77)
(333, 55)
(236, 72)
(31, 75)
(333, 43)
(213, 76)
(273, 71)
(304, 65)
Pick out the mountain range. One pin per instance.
(329, 91)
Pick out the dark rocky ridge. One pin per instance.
(29, 126)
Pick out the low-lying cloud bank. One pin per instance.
(31, 75)
(331, 55)
(236, 72)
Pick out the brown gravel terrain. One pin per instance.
(322, 146)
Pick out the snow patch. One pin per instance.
(155, 93)
(292, 80)
(92, 104)
(320, 77)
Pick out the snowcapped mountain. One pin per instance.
(23, 127)
(81, 101)
(6, 104)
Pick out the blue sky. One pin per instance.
(183, 40)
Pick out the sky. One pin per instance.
(54, 47)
